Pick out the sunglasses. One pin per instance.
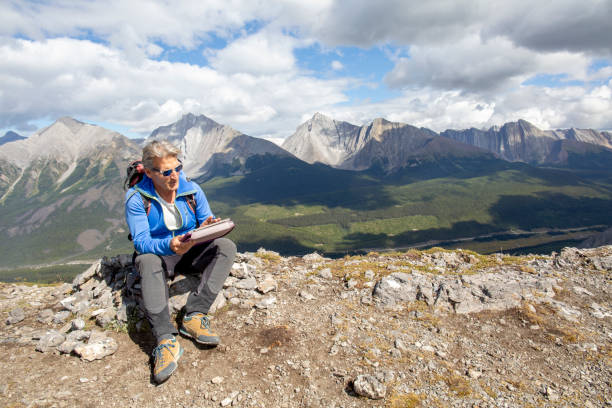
(168, 172)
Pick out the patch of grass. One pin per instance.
(571, 335)
(410, 400)
(529, 312)
(117, 326)
(268, 256)
(457, 384)
(488, 390)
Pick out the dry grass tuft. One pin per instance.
(410, 400)
(457, 384)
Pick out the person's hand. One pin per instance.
(180, 247)
(211, 220)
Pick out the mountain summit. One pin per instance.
(10, 136)
(208, 146)
(66, 140)
(323, 139)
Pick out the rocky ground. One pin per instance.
(420, 328)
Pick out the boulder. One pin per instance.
(369, 386)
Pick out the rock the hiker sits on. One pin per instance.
(159, 210)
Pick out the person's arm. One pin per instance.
(138, 224)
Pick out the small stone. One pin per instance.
(326, 273)
(60, 317)
(83, 380)
(78, 324)
(242, 270)
(226, 402)
(246, 284)
(369, 386)
(105, 318)
(50, 341)
(78, 335)
(217, 380)
(265, 302)
(68, 346)
(369, 274)
(550, 393)
(306, 295)
(229, 282)
(313, 257)
(87, 274)
(352, 283)
(268, 284)
(96, 350)
(219, 303)
(15, 316)
(45, 316)
(474, 374)
(401, 346)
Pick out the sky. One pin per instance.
(264, 67)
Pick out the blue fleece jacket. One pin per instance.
(150, 233)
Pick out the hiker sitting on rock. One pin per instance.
(159, 210)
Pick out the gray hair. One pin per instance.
(158, 149)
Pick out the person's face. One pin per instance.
(164, 184)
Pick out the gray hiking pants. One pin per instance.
(211, 261)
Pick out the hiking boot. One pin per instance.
(197, 327)
(166, 354)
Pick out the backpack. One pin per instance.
(135, 172)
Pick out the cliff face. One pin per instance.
(322, 139)
(522, 141)
(452, 328)
(207, 145)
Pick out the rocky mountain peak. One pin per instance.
(319, 117)
(468, 327)
(205, 143)
(65, 140)
(71, 123)
(322, 139)
(10, 136)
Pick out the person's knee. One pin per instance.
(148, 264)
(226, 247)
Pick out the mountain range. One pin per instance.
(343, 145)
(60, 194)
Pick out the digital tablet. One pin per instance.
(209, 232)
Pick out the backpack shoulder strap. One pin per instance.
(191, 201)
(146, 202)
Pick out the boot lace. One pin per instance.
(204, 322)
(159, 354)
